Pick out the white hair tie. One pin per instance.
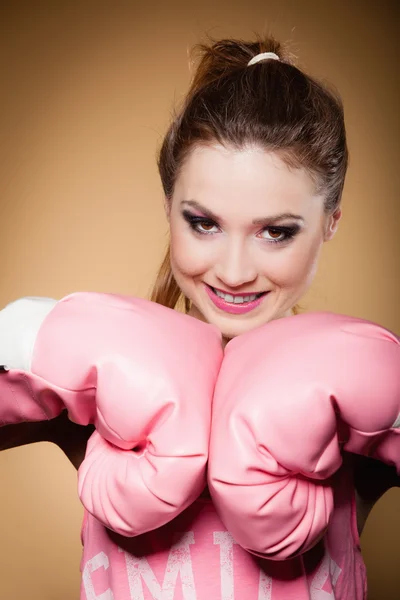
(262, 56)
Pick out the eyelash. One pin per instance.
(288, 232)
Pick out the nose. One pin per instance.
(235, 265)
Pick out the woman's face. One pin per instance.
(246, 233)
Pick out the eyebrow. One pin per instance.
(213, 217)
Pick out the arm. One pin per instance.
(12, 436)
(372, 479)
(292, 396)
(127, 366)
(68, 436)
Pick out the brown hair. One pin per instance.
(271, 104)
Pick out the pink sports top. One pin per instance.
(195, 558)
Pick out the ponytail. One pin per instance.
(165, 290)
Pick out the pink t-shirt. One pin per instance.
(195, 558)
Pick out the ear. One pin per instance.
(332, 224)
(167, 208)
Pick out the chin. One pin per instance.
(231, 326)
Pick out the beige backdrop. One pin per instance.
(87, 89)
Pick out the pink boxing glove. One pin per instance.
(143, 374)
(290, 396)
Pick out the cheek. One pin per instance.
(189, 256)
(295, 267)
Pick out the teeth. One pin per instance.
(235, 299)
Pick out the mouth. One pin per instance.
(234, 303)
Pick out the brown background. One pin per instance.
(86, 93)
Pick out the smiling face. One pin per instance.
(246, 233)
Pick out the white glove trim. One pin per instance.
(20, 323)
(396, 424)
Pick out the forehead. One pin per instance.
(244, 182)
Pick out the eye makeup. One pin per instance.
(202, 225)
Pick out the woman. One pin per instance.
(253, 168)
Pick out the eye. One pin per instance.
(204, 226)
(278, 235)
(200, 225)
(274, 234)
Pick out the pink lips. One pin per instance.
(230, 307)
